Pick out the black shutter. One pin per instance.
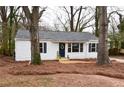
(41, 48)
(45, 48)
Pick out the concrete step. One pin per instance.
(63, 59)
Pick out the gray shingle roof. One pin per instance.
(57, 36)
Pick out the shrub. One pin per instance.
(114, 51)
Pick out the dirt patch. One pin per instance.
(74, 80)
(116, 70)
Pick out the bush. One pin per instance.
(114, 51)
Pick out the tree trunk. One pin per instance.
(33, 21)
(96, 21)
(10, 30)
(4, 38)
(78, 19)
(35, 51)
(103, 57)
(72, 20)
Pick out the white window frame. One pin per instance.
(72, 48)
(91, 50)
(43, 50)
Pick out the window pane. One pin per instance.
(69, 49)
(93, 44)
(40, 44)
(75, 47)
(93, 49)
(69, 45)
(81, 47)
(45, 47)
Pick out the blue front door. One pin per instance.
(62, 49)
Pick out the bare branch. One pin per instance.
(10, 14)
(78, 10)
(89, 26)
(90, 19)
(64, 24)
(3, 12)
(27, 12)
(67, 13)
(84, 24)
(78, 20)
(83, 17)
(116, 11)
(41, 12)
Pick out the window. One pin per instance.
(43, 47)
(93, 47)
(75, 47)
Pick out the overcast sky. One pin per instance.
(49, 17)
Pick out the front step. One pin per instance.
(63, 60)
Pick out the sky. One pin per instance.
(49, 17)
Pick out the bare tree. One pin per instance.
(76, 20)
(13, 26)
(33, 20)
(103, 57)
(7, 15)
(4, 18)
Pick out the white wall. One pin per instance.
(52, 49)
(81, 55)
(22, 51)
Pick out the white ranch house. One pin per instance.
(72, 45)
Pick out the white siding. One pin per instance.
(22, 50)
(52, 49)
(81, 55)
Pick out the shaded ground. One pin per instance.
(58, 74)
(118, 58)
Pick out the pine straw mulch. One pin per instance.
(115, 70)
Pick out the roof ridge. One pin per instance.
(54, 31)
(65, 31)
